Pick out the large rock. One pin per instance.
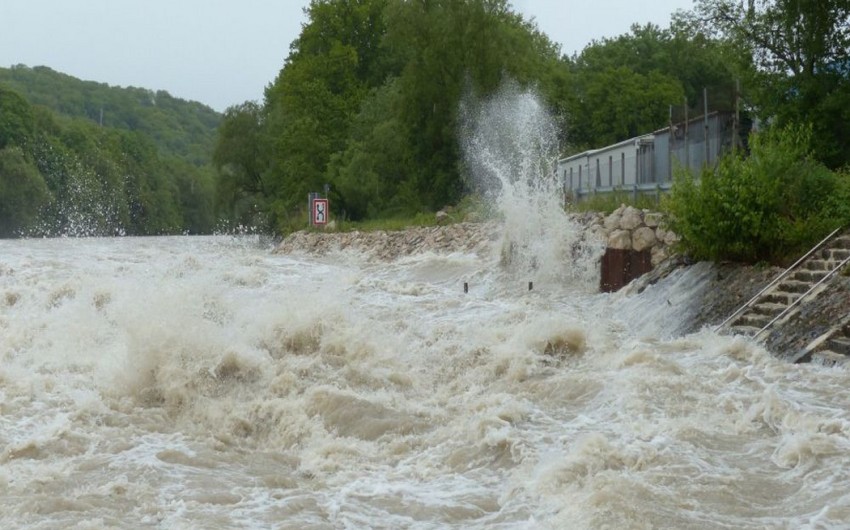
(631, 218)
(590, 218)
(643, 238)
(653, 219)
(612, 222)
(620, 240)
(599, 232)
(659, 254)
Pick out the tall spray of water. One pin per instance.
(510, 146)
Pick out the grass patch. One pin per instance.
(395, 223)
(470, 208)
(608, 202)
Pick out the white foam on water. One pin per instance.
(201, 382)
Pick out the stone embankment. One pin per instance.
(628, 228)
(389, 245)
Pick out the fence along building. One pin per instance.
(645, 164)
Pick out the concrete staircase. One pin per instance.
(800, 282)
(830, 349)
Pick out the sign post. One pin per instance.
(319, 212)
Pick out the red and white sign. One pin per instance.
(320, 212)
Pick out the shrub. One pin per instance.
(768, 206)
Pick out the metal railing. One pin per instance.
(776, 280)
(806, 294)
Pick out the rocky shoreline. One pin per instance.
(386, 245)
(728, 287)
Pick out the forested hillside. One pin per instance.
(185, 129)
(144, 169)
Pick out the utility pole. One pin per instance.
(687, 147)
(736, 125)
(705, 121)
(670, 146)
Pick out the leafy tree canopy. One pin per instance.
(800, 51)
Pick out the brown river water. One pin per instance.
(205, 382)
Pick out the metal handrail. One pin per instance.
(776, 280)
(807, 293)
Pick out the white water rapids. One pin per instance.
(204, 382)
(190, 382)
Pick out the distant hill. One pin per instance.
(179, 128)
(143, 168)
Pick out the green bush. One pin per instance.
(768, 206)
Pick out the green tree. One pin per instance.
(241, 161)
(624, 86)
(619, 103)
(369, 175)
(16, 119)
(801, 51)
(309, 107)
(450, 48)
(22, 192)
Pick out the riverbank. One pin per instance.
(725, 286)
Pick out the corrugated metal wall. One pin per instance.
(649, 159)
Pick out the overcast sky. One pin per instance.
(224, 52)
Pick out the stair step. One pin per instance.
(814, 264)
(837, 254)
(753, 320)
(840, 345)
(768, 308)
(796, 283)
(749, 331)
(794, 286)
(828, 358)
(808, 276)
(779, 297)
(842, 242)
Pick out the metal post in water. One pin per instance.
(530, 285)
(465, 287)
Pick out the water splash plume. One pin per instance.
(510, 146)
